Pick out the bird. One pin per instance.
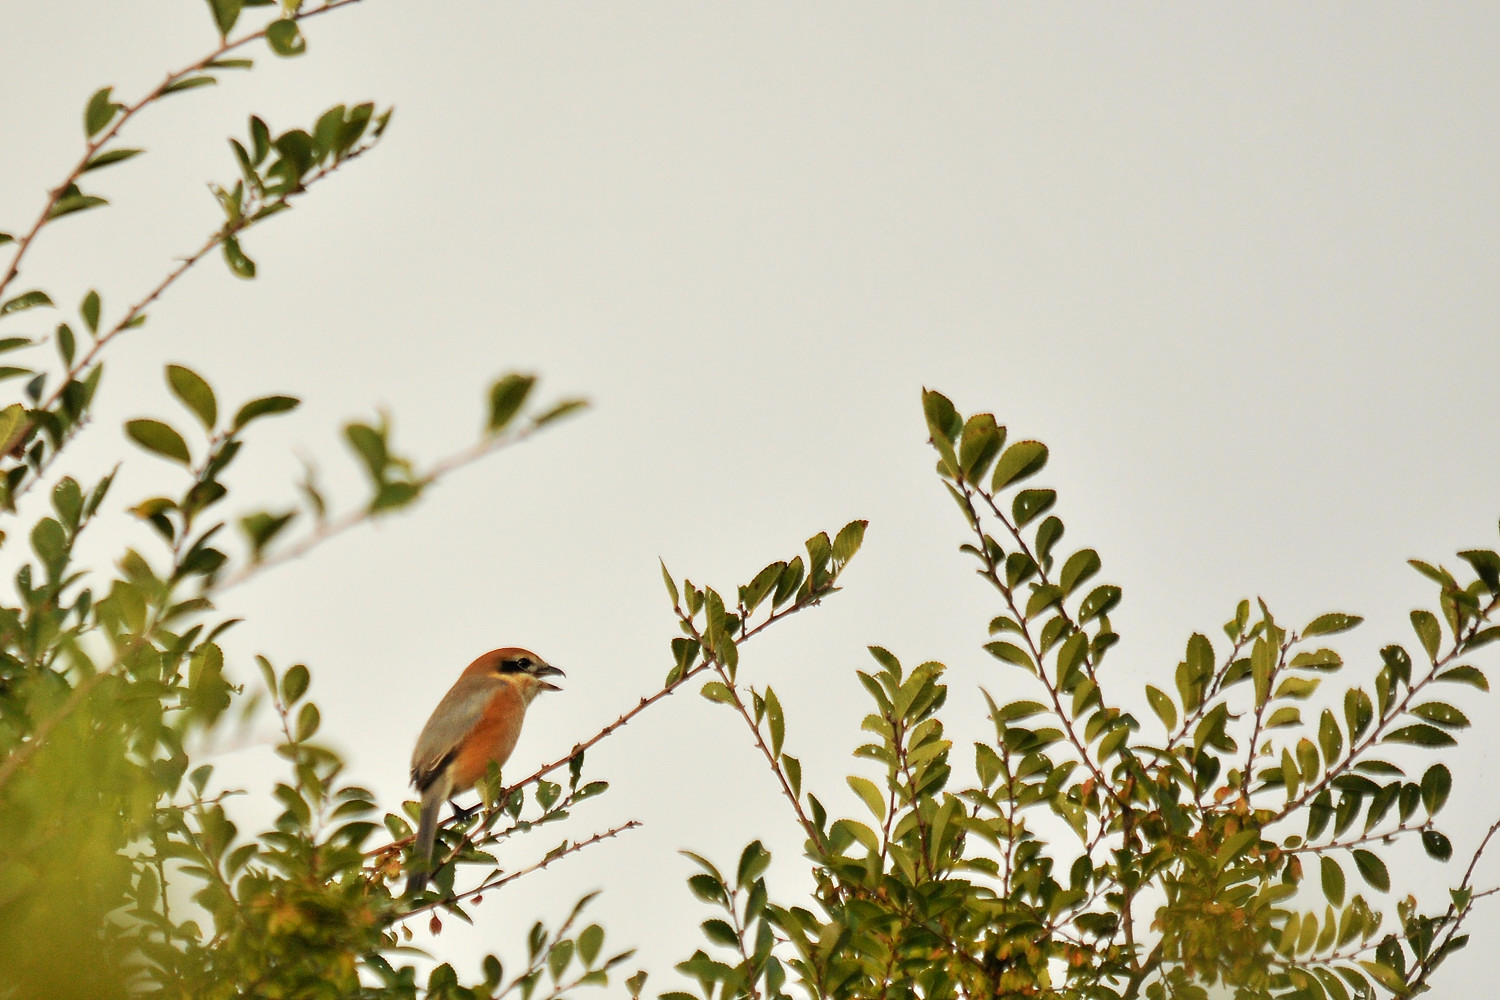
(478, 721)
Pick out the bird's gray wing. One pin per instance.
(451, 721)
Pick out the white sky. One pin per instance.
(1234, 265)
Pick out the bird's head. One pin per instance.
(520, 666)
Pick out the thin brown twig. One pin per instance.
(80, 692)
(1451, 917)
(546, 860)
(331, 529)
(130, 111)
(1396, 711)
(992, 573)
(134, 313)
(625, 717)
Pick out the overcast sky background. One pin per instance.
(1235, 265)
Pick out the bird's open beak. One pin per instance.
(547, 670)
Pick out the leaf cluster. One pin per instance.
(1098, 853)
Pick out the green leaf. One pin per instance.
(1022, 459)
(1486, 566)
(308, 720)
(285, 39)
(1333, 880)
(1425, 624)
(89, 310)
(263, 407)
(99, 112)
(943, 426)
(110, 157)
(225, 13)
(980, 442)
(507, 396)
(1080, 566)
(262, 527)
(26, 300)
(850, 537)
(1442, 714)
(65, 344)
(153, 435)
(1330, 624)
(942, 418)
(73, 200)
(1437, 782)
(775, 721)
(1286, 715)
(1373, 870)
(1101, 601)
(1163, 706)
(589, 943)
(754, 861)
(671, 584)
(1465, 675)
(295, 684)
(1386, 976)
(866, 790)
(716, 691)
(562, 409)
(6, 238)
(235, 257)
(1029, 503)
(1436, 845)
(1420, 734)
(190, 387)
(1010, 653)
(188, 83)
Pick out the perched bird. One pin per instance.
(478, 721)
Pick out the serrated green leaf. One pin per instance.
(1030, 503)
(1333, 880)
(1420, 734)
(850, 537)
(1010, 653)
(1330, 624)
(1022, 459)
(869, 794)
(1163, 706)
(1425, 624)
(717, 691)
(1442, 714)
(1465, 675)
(1436, 845)
(1437, 782)
(1373, 870)
(1080, 566)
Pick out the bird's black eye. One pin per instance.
(522, 663)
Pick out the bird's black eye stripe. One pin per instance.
(521, 664)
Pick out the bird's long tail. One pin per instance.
(421, 854)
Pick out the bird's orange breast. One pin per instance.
(493, 737)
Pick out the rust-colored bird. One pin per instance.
(478, 721)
